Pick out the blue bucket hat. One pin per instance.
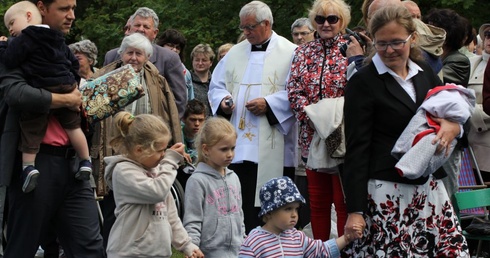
(278, 192)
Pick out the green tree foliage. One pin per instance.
(214, 22)
(210, 21)
(4, 5)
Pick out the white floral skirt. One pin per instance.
(409, 221)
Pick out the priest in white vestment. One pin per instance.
(254, 74)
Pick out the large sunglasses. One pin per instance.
(331, 19)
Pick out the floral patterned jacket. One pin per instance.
(318, 71)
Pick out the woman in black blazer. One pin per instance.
(403, 217)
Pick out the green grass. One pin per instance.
(176, 254)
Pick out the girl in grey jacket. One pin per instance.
(146, 218)
(213, 214)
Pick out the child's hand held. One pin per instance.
(358, 228)
(179, 147)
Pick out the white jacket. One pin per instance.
(326, 115)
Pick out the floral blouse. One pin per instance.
(315, 62)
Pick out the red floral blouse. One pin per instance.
(315, 62)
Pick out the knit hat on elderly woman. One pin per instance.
(278, 192)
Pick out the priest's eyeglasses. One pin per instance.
(249, 27)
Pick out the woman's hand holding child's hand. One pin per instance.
(351, 233)
(353, 223)
(358, 228)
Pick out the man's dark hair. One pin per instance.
(454, 24)
(194, 107)
(173, 36)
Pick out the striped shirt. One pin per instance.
(290, 243)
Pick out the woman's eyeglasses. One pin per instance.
(395, 45)
(331, 19)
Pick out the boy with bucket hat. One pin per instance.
(280, 201)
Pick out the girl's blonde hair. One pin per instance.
(213, 130)
(146, 130)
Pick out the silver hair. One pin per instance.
(146, 12)
(86, 47)
(138, 41)
(300, 22)
(259, 9)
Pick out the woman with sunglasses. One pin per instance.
(318, 72)
(403, 217)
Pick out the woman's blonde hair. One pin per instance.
(224, 48)
(323, 7)
(148, 131)
(204, 49)
(213, 130)
(400, 15)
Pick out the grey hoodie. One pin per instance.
(146, 217)
(213, 214)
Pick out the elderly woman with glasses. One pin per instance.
(403, 217)
(318, 73)
(86, 53)
(135, 50)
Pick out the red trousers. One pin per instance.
(325, 189)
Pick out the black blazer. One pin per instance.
(377, 110)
